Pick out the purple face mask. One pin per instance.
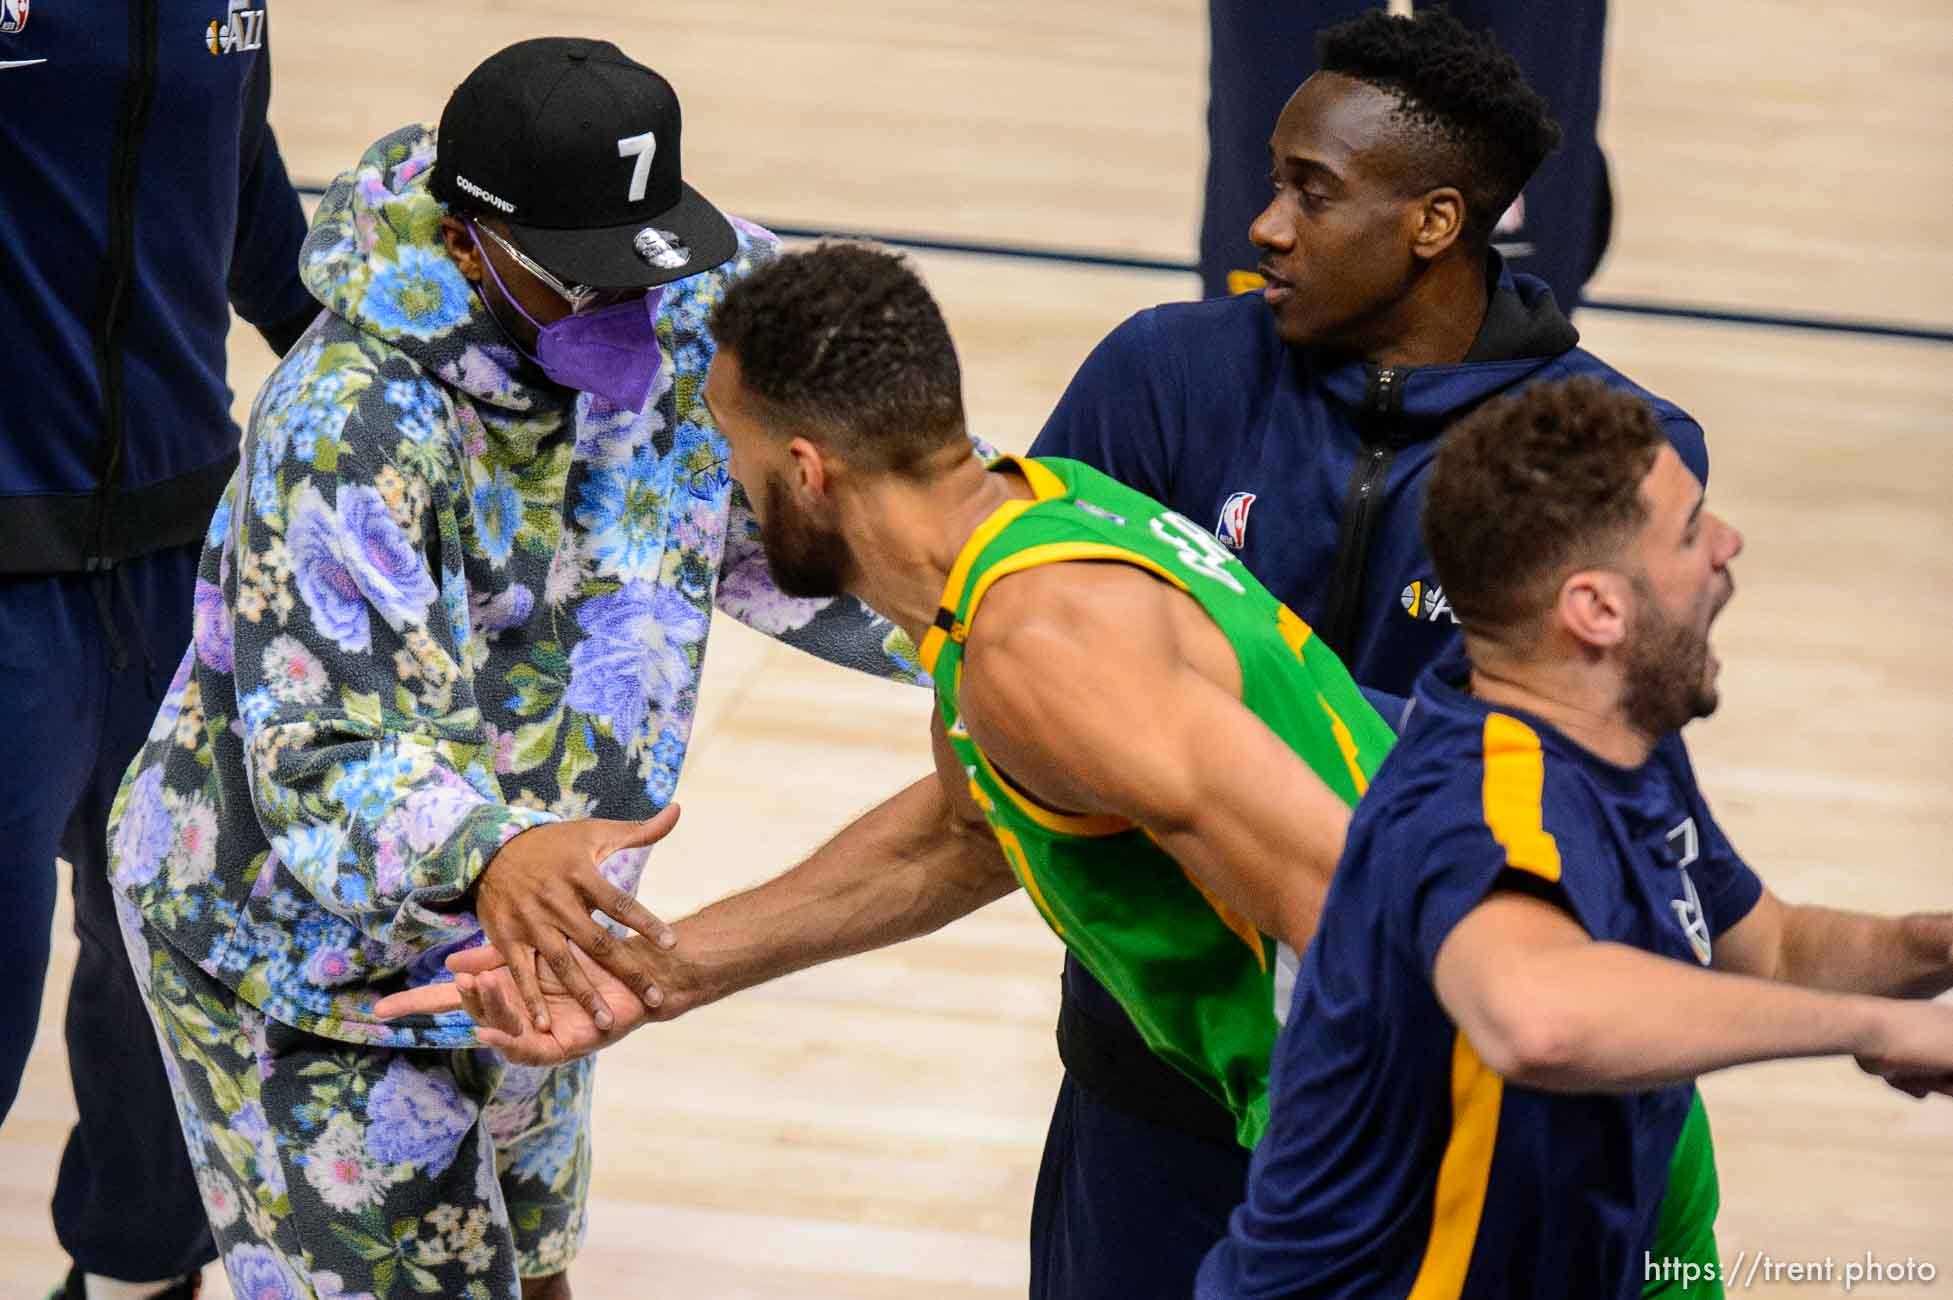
(612, 352)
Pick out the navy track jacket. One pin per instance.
(1312, 468)
(141, 194)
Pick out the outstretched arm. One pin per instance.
(1545, 1006)
(1847, 952)
(913, 864)
(906, 868)
(1099, 689)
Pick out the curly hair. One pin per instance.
(1471, 120)
(1529, 489)
(844, 341)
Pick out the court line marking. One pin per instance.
(1120, 261)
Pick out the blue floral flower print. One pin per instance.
(498, 513)
(623, 510)
(212, 624)
(144, 835)
(511, 608)
(386, 565)
(313, 853)
(257, 1273)
(418, 1118)
(257, 708)
(219, 531)
(325, 581)
(353, 559)
(419, 406)
(251, 1124)
(636, 654)
(421, 293)
(367, 789)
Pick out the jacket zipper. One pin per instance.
(137, 94)
(1381, 405)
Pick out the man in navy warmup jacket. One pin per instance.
(1299, 423)
(1557, 228)
(144, 197)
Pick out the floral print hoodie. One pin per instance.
(444, 600)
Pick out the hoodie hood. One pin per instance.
(375, 257)
(1524, 331)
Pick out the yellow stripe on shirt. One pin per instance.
(1515, 782)
(1514, 786)
(1463, 1176)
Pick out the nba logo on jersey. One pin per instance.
(1233, 527)
(13, 15)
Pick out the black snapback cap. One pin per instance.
(576, 146)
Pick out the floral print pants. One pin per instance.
(332, 1171)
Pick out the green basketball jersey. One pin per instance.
(1205, 989)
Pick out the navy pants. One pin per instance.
(1125, 1208)
(84, 659)
(1263, 49)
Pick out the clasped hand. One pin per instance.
(553, 981)
(484, 987)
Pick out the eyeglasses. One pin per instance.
(578, 296)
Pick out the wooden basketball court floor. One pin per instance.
(871, 1129)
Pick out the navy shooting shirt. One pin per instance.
(1395, 1163)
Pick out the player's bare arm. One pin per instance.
(1100, 689)
(904, 869)
(911, 865)
(1846, 952)
(1546, 1006)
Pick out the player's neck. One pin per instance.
(913, 528)
(1582, 701)
(1437, 323)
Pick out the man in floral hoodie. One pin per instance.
(452, 611)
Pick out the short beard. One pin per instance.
(1665, 684)
(807, 560)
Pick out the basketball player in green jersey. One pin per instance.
(1163, 755)
(1115, 698)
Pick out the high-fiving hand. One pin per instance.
(535, 899)
(1912, 1048)
(484, 987)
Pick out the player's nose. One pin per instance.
(1732, 542)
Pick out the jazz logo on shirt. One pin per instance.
(1685, 845)
(1425, 602)
(1233, 527)
(242, 29)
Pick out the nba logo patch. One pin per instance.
(1233, 527)
(13, 16)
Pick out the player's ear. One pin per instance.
(1593, 606)
(811, 473)
(1440, 221)
(461, 247)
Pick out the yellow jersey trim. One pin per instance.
(1241, 927)
(1515, 784)
(1088, 826)
(1043, 481)
(1346, 742)
(1033, 557)
(1047, 486)
(1293, 629)
(986, 533)
(1463, 1176)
